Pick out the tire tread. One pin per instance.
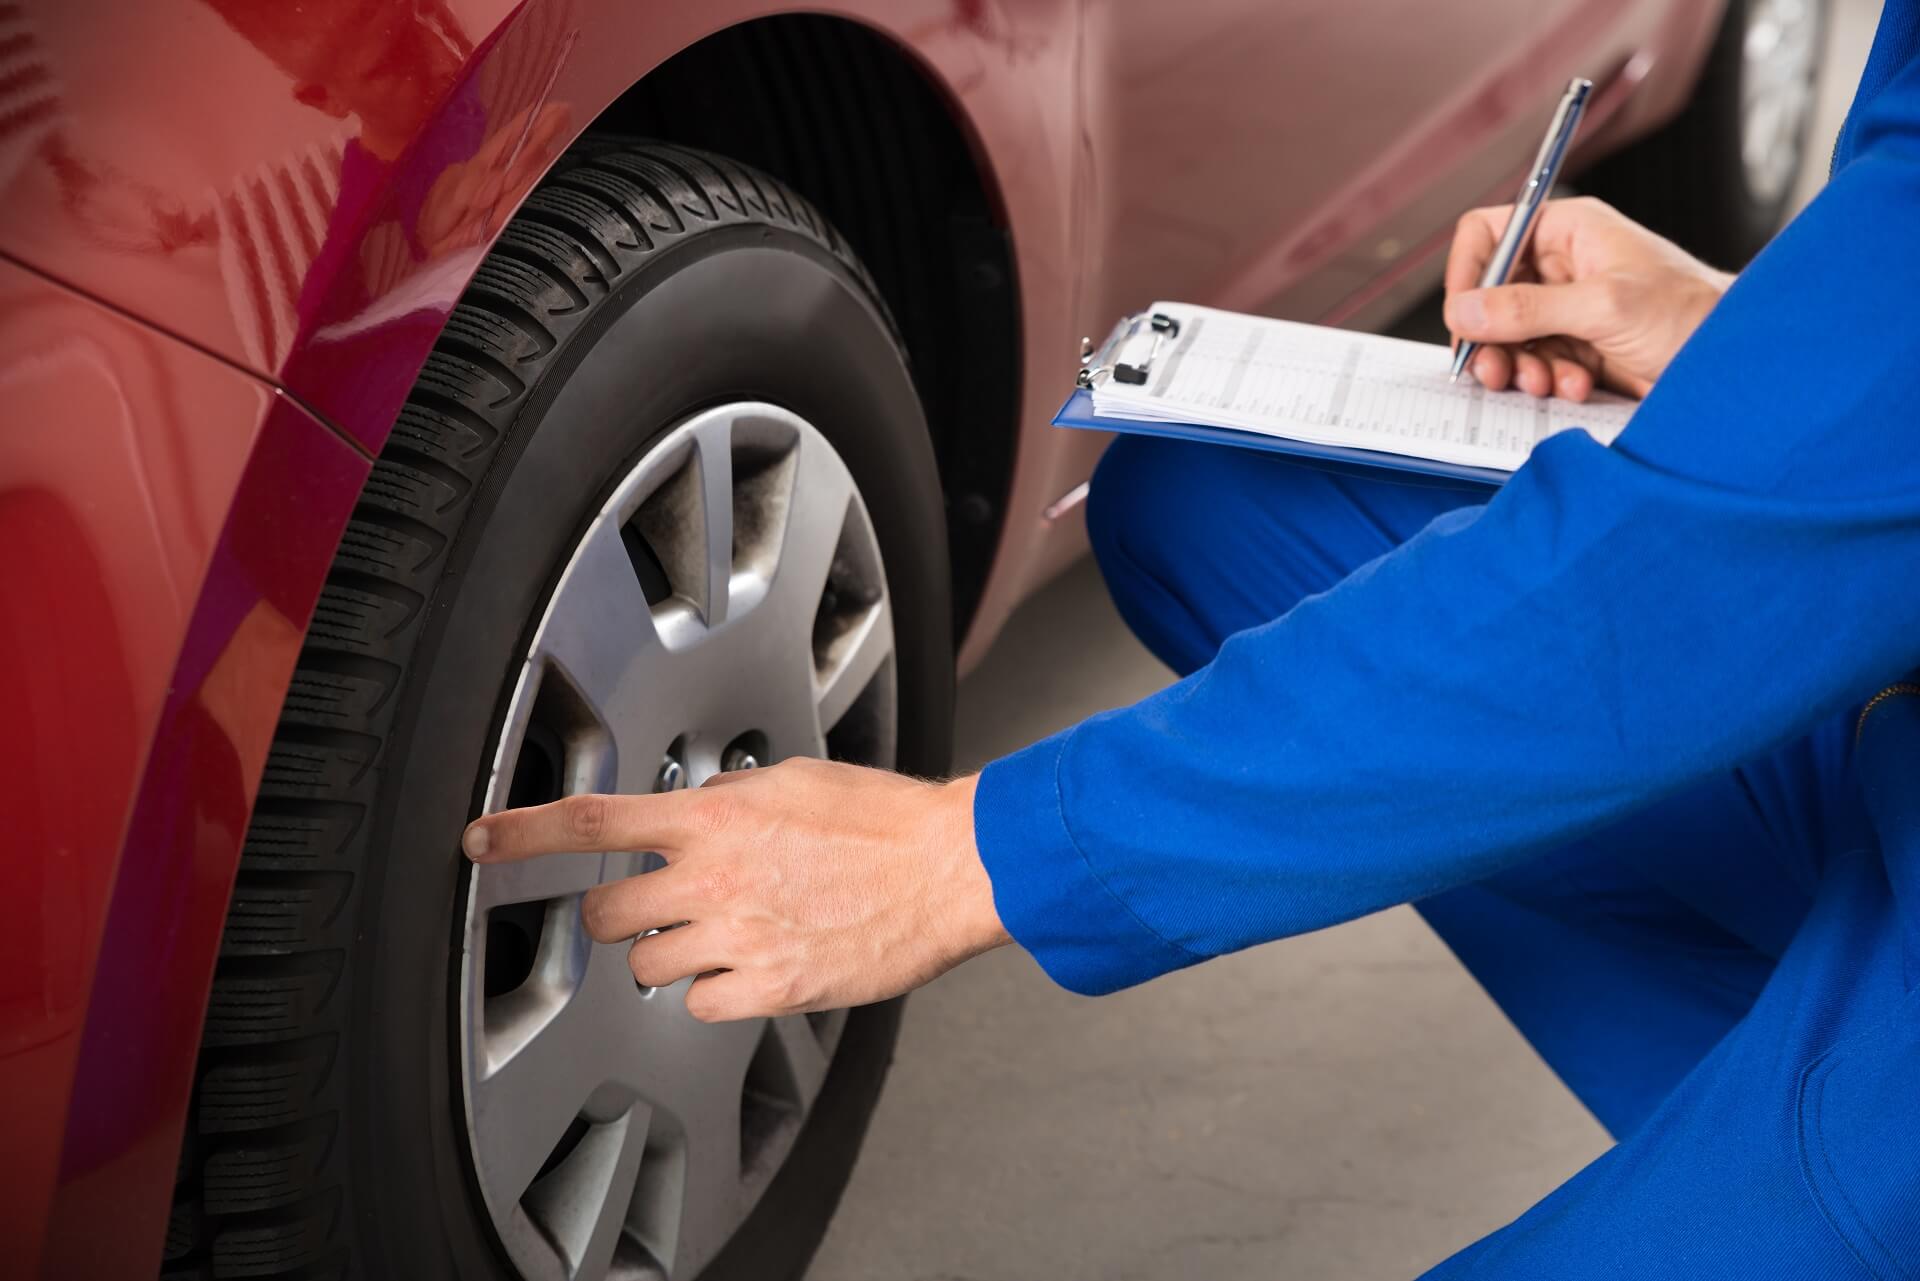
(263, 1186)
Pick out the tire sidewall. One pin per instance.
(1687, 180)
(1740, 218)
(742, 312)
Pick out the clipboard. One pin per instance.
(1077, 414)
(1335, 399)
(1097, 365)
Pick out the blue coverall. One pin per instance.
(1605, 729)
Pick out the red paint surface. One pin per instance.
(263, 195)
(167, 520)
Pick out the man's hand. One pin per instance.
(805, 886)
(1596, 297)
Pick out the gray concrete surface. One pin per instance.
(1346, 1105)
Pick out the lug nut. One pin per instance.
(738, 758)
(672, 776)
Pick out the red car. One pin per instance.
(415, 407)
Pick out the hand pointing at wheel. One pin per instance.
(809, 885)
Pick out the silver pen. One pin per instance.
(1526, 205)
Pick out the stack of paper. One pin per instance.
(1338, 388)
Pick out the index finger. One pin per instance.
(1474, 237)
(1550, 249)
(585, 824)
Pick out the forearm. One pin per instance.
(1615, 625)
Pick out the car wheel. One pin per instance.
(1719, 179)
(661, 503)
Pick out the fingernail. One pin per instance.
(1466, 312)
(475, 842)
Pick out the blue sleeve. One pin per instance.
(1615, 625)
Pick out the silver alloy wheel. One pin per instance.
(613, 1134)
(1779, 51)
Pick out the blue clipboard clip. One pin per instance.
(1154, 330)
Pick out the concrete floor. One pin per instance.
(1346, 1105)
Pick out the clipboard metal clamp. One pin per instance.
(1121, 356)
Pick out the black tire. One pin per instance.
(640, 283)
(1687, 180)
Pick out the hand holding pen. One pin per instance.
(1541, 176)
(1557, 297)
(1599, 301)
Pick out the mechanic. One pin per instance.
(1606, 730)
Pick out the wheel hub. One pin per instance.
(1778, 55)
(726, 607)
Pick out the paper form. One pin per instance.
(1336, 387)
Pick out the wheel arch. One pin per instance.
(849, 113)
(346, 344)
(814, 100)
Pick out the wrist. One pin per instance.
(1698, 302)
(975, 922)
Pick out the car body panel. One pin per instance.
(168, 519)
(235, 228)
(322, 235)
(1188, 179)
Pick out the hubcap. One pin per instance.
(728, 601)
(1778, 55)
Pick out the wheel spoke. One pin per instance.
(692, 1073)
(713, 445)
(710, 1205)
(535, 880)
(816, 516)
(852, 660)
(581, 1207)
(523, 1104)
(598, 629)
(691, 1070)
(802, 1054)
(827, 1026)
